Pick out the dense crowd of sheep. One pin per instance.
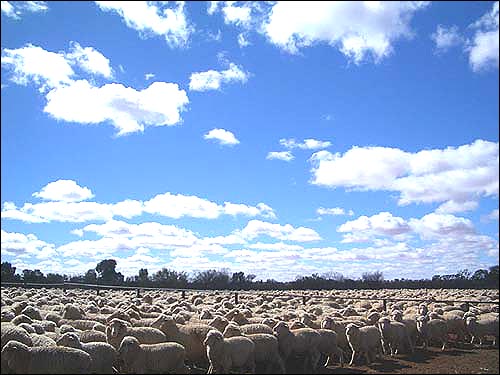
(76, 331)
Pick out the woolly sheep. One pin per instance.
(72, 312)
(12, 332)
(32, 312)
(328, 346)
(302, 341)
(118, 329)
(482, 327)
(363, 340)
(22, 359)
(227, 354)
(219, 322)
(92, 336)
(434, 329)
(21, 319)
(42, 340)
(410, 323)
(395, 335)
(103, 355)
(191, 336)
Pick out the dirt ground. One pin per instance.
(431, 361)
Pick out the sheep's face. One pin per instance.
(117, 327)
(128, 347)
(470, 322)
(351, 330)
(422, 324)
(328, 323)
(213, 337)
(281, 328)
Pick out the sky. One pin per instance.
(277, 139)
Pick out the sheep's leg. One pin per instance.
(444, 346)
(315, 357)
(329, 360)
(352, 357)
(367, 356)
(281, 365)
(472, 339)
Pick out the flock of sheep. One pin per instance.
(77, 331)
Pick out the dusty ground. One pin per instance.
(432, 361)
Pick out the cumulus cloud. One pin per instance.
(212, 79)
(66, 205)
(456, 174)
(307, 144)
(335, 211)
(483, 49)
(451, 207)
(127, 109)
(382, 224)
(19, 244)
(224, 137)
(149, 18)
(64, 190)
(357, 29)
(78, 100)
(280, 155)
(256, 228)
(242, 40)
(15, 9)
(446, 37)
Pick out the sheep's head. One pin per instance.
(117, 326)
(397, 316)
(159, 321)
(422, 323)
(232, 330)
(373, 317)
(351, 330)
(328, 323)
(66, 328)
(281, 328)
(213, 338)
(433, 315)
(69, 339)
(468, 314)
(270, 322)
(470, 322)
(422, 309)
(219, 322)
(383, 324)
(128, 347)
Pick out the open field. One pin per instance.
(54, 312)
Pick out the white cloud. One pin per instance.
(15, 9)
(64, 190)
(436, 226)
(127, 109)
(493, 215)
(281, 155)
(239, 15)
(33, 63)
(90, 60)
(148, 76)
(446, 37)
(256, 228)
(307, 144)
(212, 79)
(483, 49)
(383, 224)
(355, 28)
(333, 211)
(242, 40)
(451, 207)
(224, 137)
(242, 209)
(158, 19)
(19, 244)
(460, 174)
(212, 7)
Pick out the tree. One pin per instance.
(143, 276)
(170, 278)
(90, 277)
(373, 277)
(9, 273)
(107, 272)
(55, 278)
(30, 276)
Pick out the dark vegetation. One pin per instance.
(105, 274)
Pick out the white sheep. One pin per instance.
(103, 355)
(227, 354)
(434, 329)
(266, 348)
(190, 336)
(22, 359)
(482, 327)
(395, 335)
(302, 341)
(139, 358)
(363, 340)
(12, 332)
(118, 329)
(42, 340)
(328, 347)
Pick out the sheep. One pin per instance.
(103, 355)
(12, 332)
(339, 329)
(302, 341)
(410, 324)
(32, 312)
(92, 336)
(73, 312)
(22, 359)
(394, 334)
(83, 324)
(266, 348)
(118, 329)
(328, 346)
(363, 340)
(42, 340)
(219, 322)
(482, 327)
(227, 354)
(434, 329)
(21, 319)
(191, 336)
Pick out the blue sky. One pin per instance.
(278, 139)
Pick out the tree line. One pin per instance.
(105, 274)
